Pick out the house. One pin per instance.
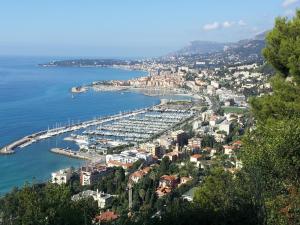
(61, 176)
(107, 216)
(168, 181)
(195, 143)
(195, 158)
(237, 144)
(228, 149)
(173, 156)
(214, 120)
(101, 198)
(89, 175)
(113, 163)
(128, 157)
(137, 175)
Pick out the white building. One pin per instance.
(101, 198)
(129, 156)
(225, 126)
(61, 176)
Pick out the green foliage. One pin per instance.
(208, 141)
(271, 157)
(45, 205)
(283, 47)
(283, 103)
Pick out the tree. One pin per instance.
(271, 158)
(284, 102)
(164, 165)
(282, 48)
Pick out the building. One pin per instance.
(165, 142)
(101, 198)
(196, 158)
(228, 149)
(214, 120)
(89, 175)
(61, 176)
(179, 137)
(152, 148)
(173, 156)
(106, 217)
(225, 126)
(194, 143)
(137, 175)
(166, 185)
(113, 163)
(126, 158)
(168, 181)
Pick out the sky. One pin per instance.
(130, 28)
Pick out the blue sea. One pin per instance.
(33, 98)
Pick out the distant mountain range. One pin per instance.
(247, 46)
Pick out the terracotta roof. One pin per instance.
(116, 163)
(197, 156)
(107, 216)
(237, 142)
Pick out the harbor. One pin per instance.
(100, 134)
(42, 135)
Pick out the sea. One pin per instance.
(33, 98)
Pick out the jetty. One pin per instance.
(90, 156)
(30, 139)
(70, 153)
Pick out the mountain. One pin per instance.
(200, 47)
(243, 47)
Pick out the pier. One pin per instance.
(30, 139)
(78, 154)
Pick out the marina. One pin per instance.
(28, 140)
(100, 134)
(140, 127)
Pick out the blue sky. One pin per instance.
(129, 28)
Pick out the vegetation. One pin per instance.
(283, 44)
(45, 204)
(266, 191)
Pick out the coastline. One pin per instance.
(48, 102)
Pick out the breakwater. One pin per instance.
(30, 139)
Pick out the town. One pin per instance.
(137, 163)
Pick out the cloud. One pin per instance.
(242, 23)
(211, 26)
(225, 25)
(287, 3)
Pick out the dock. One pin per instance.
(70, 153)
(30, 139)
